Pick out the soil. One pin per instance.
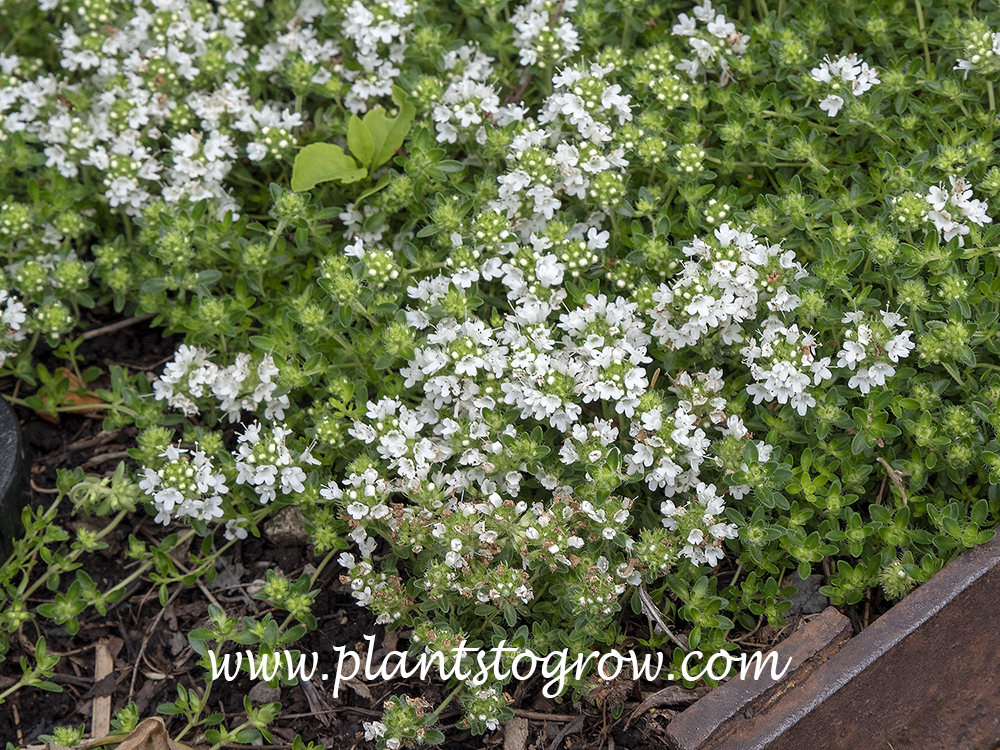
(154, 656)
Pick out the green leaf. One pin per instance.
(359, 140)
(979, 512)
(322, 162)
(374, 188)
(388, 134)
(153, 286)
(433, 736)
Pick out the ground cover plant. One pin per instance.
(538, 313)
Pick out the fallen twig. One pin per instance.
(655, 616)
(574, 726)
(145, 639)
(896, 476)
(672, 695)
(112, 327)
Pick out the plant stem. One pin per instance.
(626, 25)
(923, 39)
(446, 701)
(12, 689)
(73, 555)
(312, 582)
(277, 233)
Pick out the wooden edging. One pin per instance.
(924, 675)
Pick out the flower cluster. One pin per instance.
(264, 461)
(783, 365)
(699, 395)
(543, 34)
(722, 286)
(243, 385)
(379, 33)
(469, 99)
(485, 708)
(711, 38)
(843, 74)
(951, 210)
(12, 320)
(403, 724)
(699, 526)
(982, 49)
(299, 54)
(187, 485)
(668, 448)
(873, 348)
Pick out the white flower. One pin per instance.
(685, 26)
(704, 12)
(374, 730)
(861, 380)
(831, 105)
(900, 346)
(549, 271)
(851, 354)
(720, 27)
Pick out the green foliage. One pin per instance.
(372, 141)
(348, 235)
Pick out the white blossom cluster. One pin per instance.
(570, 154)
(704, 547)
(734, 426)
(187, 485)
(847, 72)
(668, 449)
(783, 365)
(518, 239)
(163, 123)
(543, 34)
(469, 101)
(364, 581)
(873, 348)
(699, 395)
(243, 385)
(264, 461)
(462, 455)
(379, 33)
(951, 210)
(299, 46)
(599, 356)
(711, 38)
(13, 315)
(721, 287)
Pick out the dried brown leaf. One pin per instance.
(75, 396)
(149, 735)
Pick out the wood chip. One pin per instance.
(515, 734)
(104, 666)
